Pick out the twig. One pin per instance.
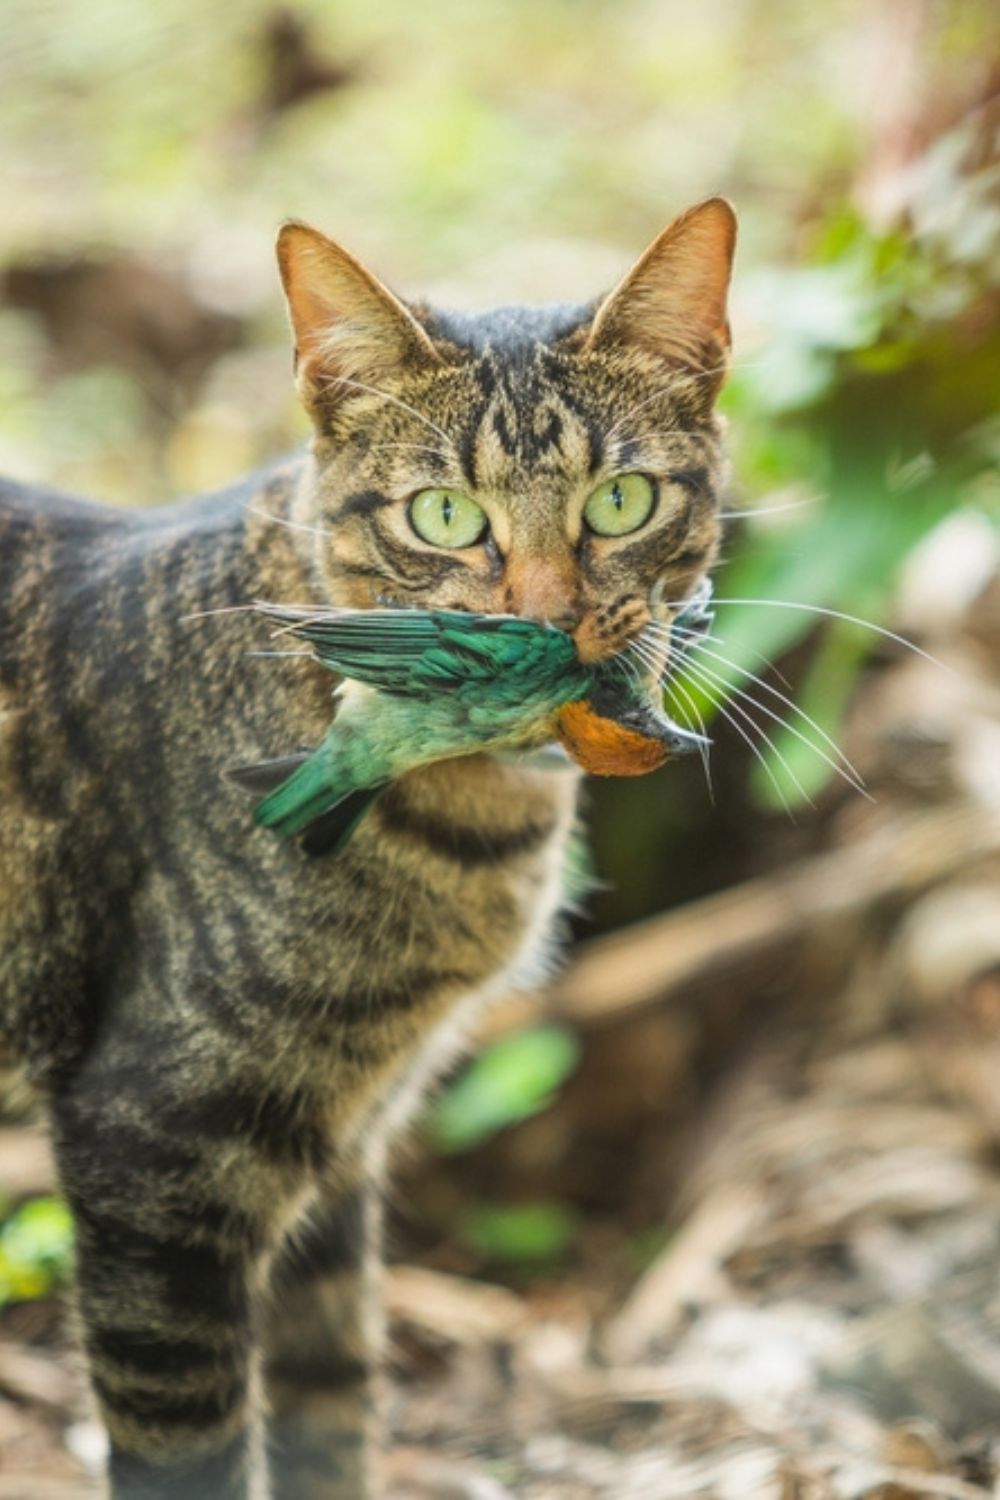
(642, 964)
(466, 1312)
(35, 1381)
(918, 1482)
(25, 1162)
(683, 1272)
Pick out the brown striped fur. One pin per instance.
(228, 1033)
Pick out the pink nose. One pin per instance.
(541, 589)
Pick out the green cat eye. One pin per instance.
(447, 518)
(620, 505)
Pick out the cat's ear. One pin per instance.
(348, 327)
(673, 300)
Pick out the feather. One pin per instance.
(316, 796)
(267, 774)
(331, 830)
(300, 797)
(416, 652)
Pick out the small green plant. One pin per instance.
(510, 1081)
(519, 1234)
(36, 1250)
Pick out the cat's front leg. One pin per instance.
(166, 1268)
(322, 1345)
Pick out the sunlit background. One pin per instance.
(510, 150)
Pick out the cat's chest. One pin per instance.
(452, 880)
(447, 941)
(371, 966)
(440, 880)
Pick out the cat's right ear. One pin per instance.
(672, 302)
(349, 329)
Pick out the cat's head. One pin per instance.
(561, 463)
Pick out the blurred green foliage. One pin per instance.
(507, 1082)
(863, 413)
(519, 1234)
(879, 391)
(36, 1250)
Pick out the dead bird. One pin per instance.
(428, 685)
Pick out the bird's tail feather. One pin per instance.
(331, 830)
(301, 798)
(265, 775)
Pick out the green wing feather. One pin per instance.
(421, 652)
(313, 800)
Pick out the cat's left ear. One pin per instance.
(348, 327)
(673, 300)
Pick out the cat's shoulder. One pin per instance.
(26, 505)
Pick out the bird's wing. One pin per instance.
(422, 652)
(519, 655)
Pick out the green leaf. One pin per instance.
(520, 1232)
(510, 1081)
(36, 1248)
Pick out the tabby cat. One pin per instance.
(227, 1032)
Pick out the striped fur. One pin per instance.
(227, 1033)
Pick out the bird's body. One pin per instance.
(429, 685)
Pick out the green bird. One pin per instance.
(433, 684)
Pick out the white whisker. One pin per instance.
(665, 390)
(414, 448)
(853, 780)
(308, 612)
(372, 390)
(705, 749)
(655, 627)
(290, 629)
(655, 657)
(311, 654)
(690, 636)
(226, 609)
(833, 614)
(695, 672)
(657, 395)
(755, 749)
(652, 659)
(635, 676)
(656, 665)
(266, 515)
(698, 670)
(787, 701)
(304, 614)
(767, 510)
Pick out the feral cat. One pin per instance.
(226, 1031)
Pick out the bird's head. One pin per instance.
(618, 729)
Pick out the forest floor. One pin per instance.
(795, 1079)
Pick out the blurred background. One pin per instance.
(720, 1215)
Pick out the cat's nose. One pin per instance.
(544, 589)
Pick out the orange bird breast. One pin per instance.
(604, 747)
